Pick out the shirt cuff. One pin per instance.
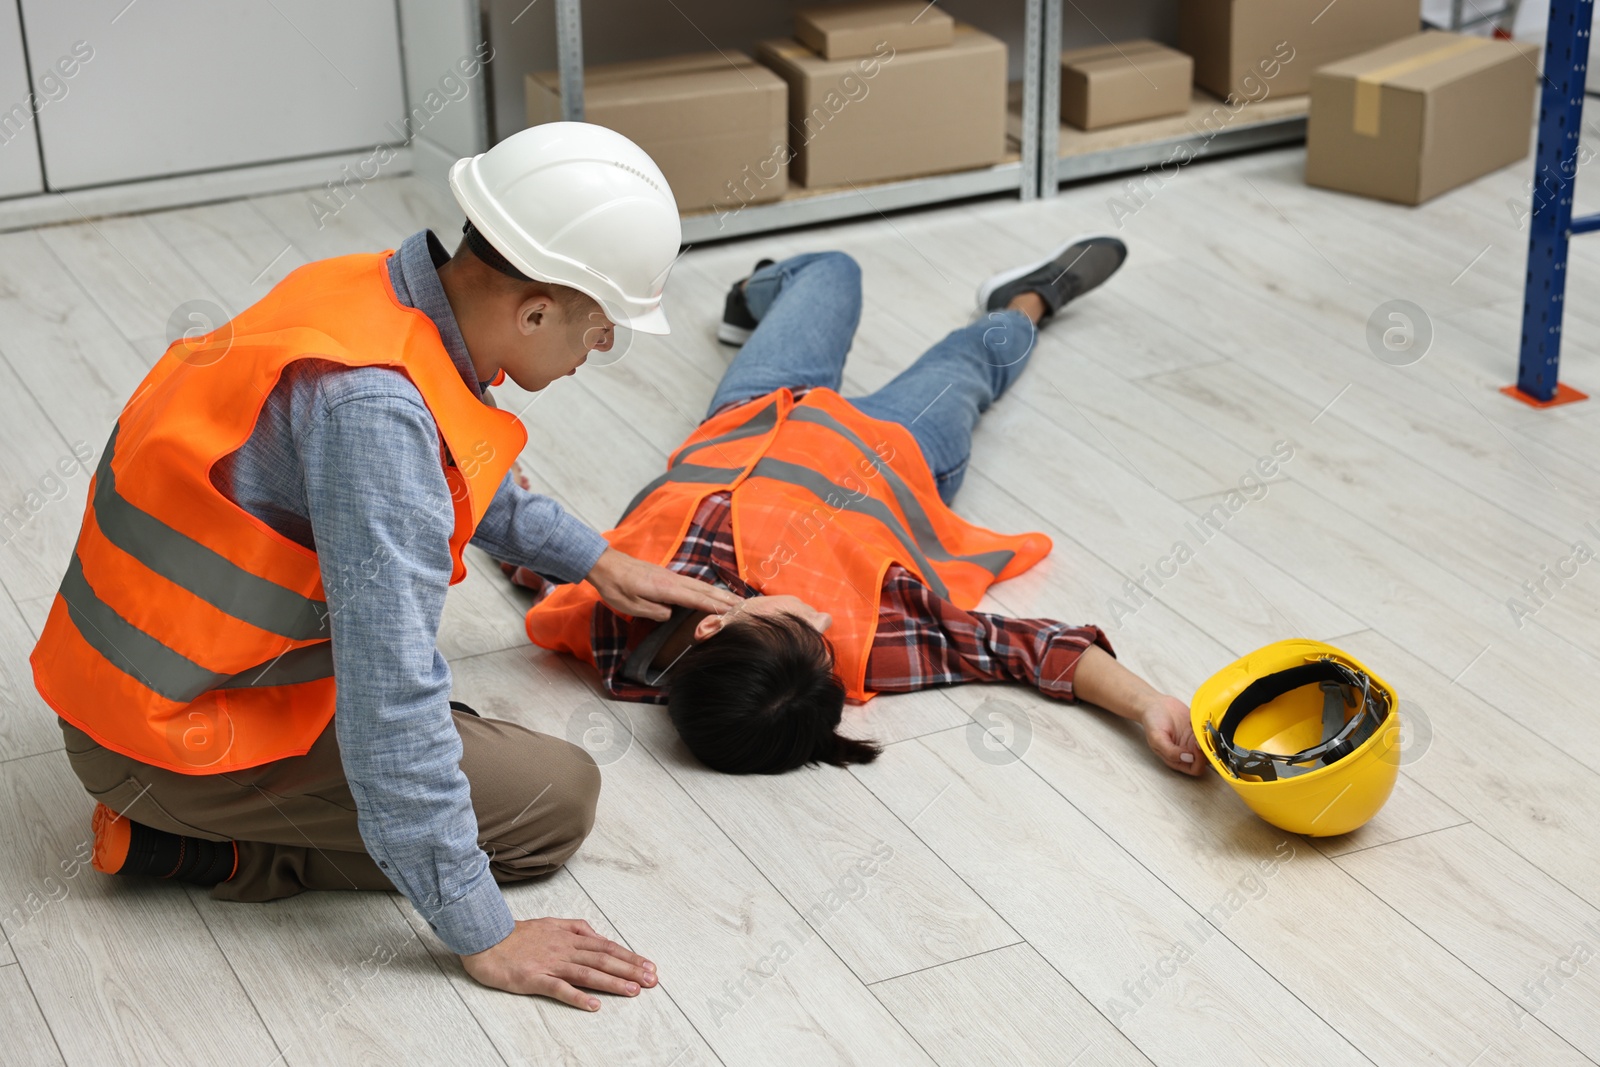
(572, 549)
(476, 920)
(1060, 664)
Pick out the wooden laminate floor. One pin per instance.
(1065, 900)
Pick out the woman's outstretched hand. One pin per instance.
(1170, 735)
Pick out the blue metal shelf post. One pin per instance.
(1566, 59)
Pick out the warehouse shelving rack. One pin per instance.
(1069, 155)
(1048, 154)
(801, 206)
(1555, 173)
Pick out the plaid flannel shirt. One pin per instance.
(922, 639)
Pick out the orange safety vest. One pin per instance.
(824, 499)
(188, 634)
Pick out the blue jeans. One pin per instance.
(807, 309)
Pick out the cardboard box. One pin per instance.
(1255, 47)
(1415, 118)
(895, 114)
(713, 122)
(857, 29)
(1124, 82)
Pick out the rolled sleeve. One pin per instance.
(534, 531)
(1064, 648)
(382, 516)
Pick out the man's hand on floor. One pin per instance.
(558, 958)
(631, 586)
(1170, 735)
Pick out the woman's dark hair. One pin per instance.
(759, 697)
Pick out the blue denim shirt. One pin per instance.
(345, 460)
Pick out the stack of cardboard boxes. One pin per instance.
(1238, 50)
(889, 90)
(1394, 113)
(712, 121)
(898, 89)
(1236, 42)
(865, 93)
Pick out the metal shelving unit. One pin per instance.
(1555, 171)
(1068, 155)
(1073, 155)
(1048, 154)
(801, 206)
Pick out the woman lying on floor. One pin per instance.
(831, 517)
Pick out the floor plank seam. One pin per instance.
(1376, 532)
(30, 755)
(1267, 973)
(1444, 472)
(188, 895)
(1175, 609)
(1336, 857)
(1463, 816)
(396, 899)
(661, 985)
(1492, 986)
(947, 963)
(39, 1008)
(991, 906)
(1558, 749)
(105, 312)
(1145, 379)
(734, 844)
(931, 733)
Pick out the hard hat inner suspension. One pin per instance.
(1342, 687)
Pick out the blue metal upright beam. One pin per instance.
(1566, 60)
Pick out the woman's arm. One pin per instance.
(924, 640)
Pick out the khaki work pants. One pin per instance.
(295, 819)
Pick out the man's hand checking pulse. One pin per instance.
(631, 586)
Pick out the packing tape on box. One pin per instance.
(1369, 86)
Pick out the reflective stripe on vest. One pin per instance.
(680, 471)
(165, 671)
(207, 574)
(187, 633)
(921, 528)
(920, 541)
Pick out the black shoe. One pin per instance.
(1066, 274)
(737, 323)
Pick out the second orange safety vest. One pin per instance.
(187, 633)
(825, 498)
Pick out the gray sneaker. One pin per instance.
(1065, 274)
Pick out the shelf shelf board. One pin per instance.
(802, 206)
(1207, 128)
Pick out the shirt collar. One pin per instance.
(414, 272)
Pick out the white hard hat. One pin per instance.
(580, 205)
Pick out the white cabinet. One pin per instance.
(19, 146)
(166, 87)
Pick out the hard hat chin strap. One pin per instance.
(489, 254)
(1341, 687)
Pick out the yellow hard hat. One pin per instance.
(1304, 733)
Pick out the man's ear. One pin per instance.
(533, 313)
(707, 626)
